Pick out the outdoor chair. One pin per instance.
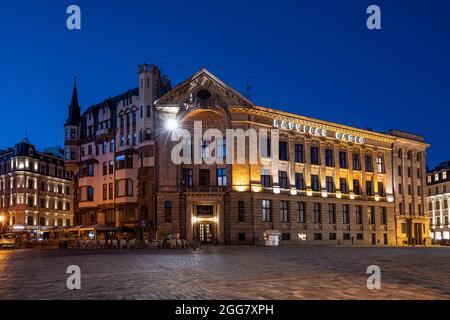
(132, 243)
(114, 244)
(146, 243)
(173, 243)
(123, 244)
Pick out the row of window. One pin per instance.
(123, 188)
(286, 236)
(317, 213)
(43, 203)
(443, 175)
(299, 157)
(204, 177)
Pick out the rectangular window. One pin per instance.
(299, 157)
(105, 168)
(315, 182)
(265, 178)
(105, 191)
(380, 164)
(356, 187)
(110, 191)
(343, 159)
(314, 155)
(343, 185)
(267, 210)
(283, 179)
(221, 176)
(299, 181)
(285, 236)
(284, 211)
(381, 190)
(317, 213)
(301, 212)
(331, 213)
(345, 214)
(359, 217)
(317, 236)
(369, 189)
(283, 151)
(329, 161)
(383, 216)
(332, 236)
(330, 184)
(356, 161)
(368, 161)
(186, 177)
(371, 214)
(204, 177)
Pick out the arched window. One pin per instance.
(168, 211)
(241, 211)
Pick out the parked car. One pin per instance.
(8, 241)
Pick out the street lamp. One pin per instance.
(2, 219)
(171, 124)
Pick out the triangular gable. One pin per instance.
(184, 93)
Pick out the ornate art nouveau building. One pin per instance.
(438, 181)
(35, 189)
(317, 182)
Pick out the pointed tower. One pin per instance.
(72, 133)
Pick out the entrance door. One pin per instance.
(205, 232)
(418, 233)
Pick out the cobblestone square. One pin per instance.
(227, 273)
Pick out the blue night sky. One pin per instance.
(314, 58)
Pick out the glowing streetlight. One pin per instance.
(171, 124)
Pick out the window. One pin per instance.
(110, 191)
(381, 190)
(360, 236)
(400, 189)
(90, 193)
(267, 210)
(409, 190)
(400, 171)
(380, 164)
(111, 166)
(105, 145)
(401, 208)
(356, 187)
(332, 236)
(283, 180)
(317, 236)
(403, 227)
(369, 189)
(356, 161)
(221, 176)
(408, 170)
(204, 177)
(186, 177)
(299, 181)
(149, 111)
(368, 163)
(285, 236)
(359, 217)
(30, 220)
(301, 212)
(299, 157)
(330, 184)
(105, 192)
(346, 236)
(105, 168)
(112, 146)
(241, 236)
(265, 178)
(241, 211)
(371, 214)
(383, 216)
(331, 213)
(168, 211)
(342, 159)
(329, 162)
(444, 175)
(343, 185)
(317, 213)
(315, 182)
(284, 211)
(429, 179)
(283, 150)
(314, 155)
(345, 214)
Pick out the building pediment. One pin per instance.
(202, 91)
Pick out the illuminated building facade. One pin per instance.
(438, 181)
(35, 189)
(315, 182)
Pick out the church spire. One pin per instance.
(74, 107)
